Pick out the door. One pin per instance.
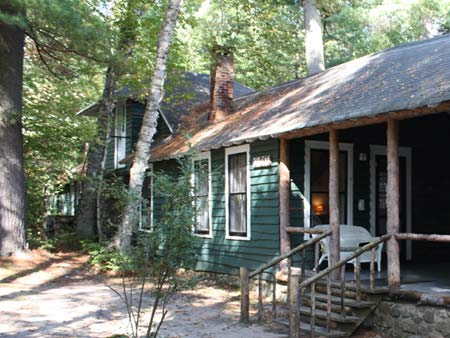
(381, 197)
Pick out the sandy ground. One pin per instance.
(45, 295)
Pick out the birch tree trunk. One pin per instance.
(88, 214)
(12, 177)
(313, 38)
(149, 124)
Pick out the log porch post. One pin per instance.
(335, 248)
(393, 200)
(284, 195)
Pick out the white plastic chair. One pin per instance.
(351, 238)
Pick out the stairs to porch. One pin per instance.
(319, 303)
(338, 315)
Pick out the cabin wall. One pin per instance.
(218, 254)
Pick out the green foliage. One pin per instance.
(104, 257)
(64, 26)
(159, 252)
(171, 241)
(64, 241)
(357, 28)
(61, 75)
(54, 137)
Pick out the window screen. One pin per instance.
(237, 172)
(201, 191)
(120, 136)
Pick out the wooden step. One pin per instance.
(351, 285)
(335, 317)
(337, 300)
(318, 330)
(323, 306)
(337, 292)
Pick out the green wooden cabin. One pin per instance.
(245, 137)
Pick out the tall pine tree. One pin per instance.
(12, 178)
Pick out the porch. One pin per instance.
(390, 178)
(424, 278)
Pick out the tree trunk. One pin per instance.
(313, 38)
(149, 123)
(12, 177)
(88, 217)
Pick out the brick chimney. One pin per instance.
(222, 84)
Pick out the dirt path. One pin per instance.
(44, 295)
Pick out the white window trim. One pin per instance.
(323, 145)
(120, 109)
(405, 152)
(72, 199)
(150, 168)
(230, 151)
(199, 157)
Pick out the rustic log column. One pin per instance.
(392, 201)
(335, 248)
(294, 303)
(284, 187)
(245, 295)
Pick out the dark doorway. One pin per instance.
(380, 198)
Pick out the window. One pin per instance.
(202, 193)
(120, 134)
(320, 177)
(146, 204)
(317, 175)
(237, 192)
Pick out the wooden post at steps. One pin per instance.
(294, 304)
(245, 298)
(392, 201)
(335, 245)
(284, 195)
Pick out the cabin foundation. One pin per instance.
(407, 319)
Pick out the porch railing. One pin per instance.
(300, 287)
(246, 276)
(299, 281)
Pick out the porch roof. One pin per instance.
(405, 77)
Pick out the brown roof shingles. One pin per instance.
(401, 78)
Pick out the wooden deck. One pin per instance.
(419, 277)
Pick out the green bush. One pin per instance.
(103, 256)
(64, 241)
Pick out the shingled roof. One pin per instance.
(183, 90)
(401, 78)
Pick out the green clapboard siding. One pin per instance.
(218, 254)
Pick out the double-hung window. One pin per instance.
(202, 193)
(120, 134)
(237, 192)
